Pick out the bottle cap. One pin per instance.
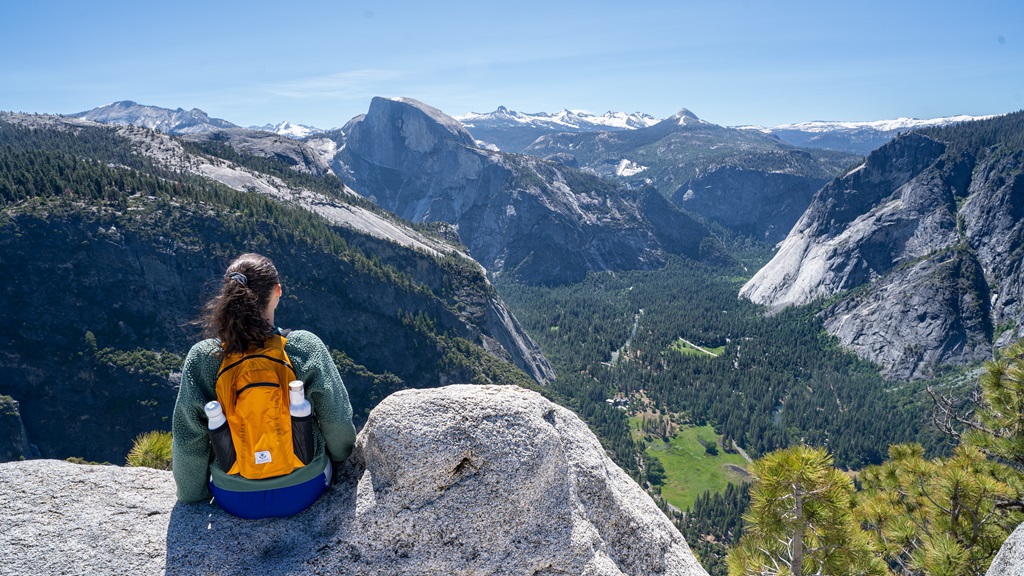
(296, 395)
(213, 409)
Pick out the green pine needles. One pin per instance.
(800, 521)
(999, 430)
(941, 517)
(151, 450)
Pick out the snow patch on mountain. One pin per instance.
(819, 126)
(571, 120)
(627, 168)
(296, 131)
(324, 147)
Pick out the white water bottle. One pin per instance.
(302, 422)
(214, 415)
(220, 435)
(299, 406)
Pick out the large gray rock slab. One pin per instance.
(920, 316)
(1009, 561)
(456, 480)
(64, 518)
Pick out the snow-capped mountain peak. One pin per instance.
(296, 131)
(569, 120)
(686, 118)
(857, 137)
(879, 125)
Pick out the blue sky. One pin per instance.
(731, 62)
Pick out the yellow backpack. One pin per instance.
(252, 389)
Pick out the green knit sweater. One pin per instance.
(191, 451)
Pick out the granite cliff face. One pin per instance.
(920, 246)
(460, 480)
(14, 443)
(107, 282)
(539, 221)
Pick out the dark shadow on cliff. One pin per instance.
(204, 540)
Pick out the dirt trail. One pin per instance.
(698, 347)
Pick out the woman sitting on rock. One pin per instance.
(246, 365)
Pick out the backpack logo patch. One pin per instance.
(263, 457)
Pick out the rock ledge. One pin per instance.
(456, 480)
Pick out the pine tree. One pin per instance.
(999, 428)
(800, 522)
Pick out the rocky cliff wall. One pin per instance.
(454, 481)
(916, 254)
(14, 443)
(859, 226)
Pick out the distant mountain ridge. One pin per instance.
(514, 131)
(563, 119)
(905, 124)
(511, 131)
(285, 128)
(178, 121)
(744, 180)
(856, 137)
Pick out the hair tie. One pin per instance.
(240, 278)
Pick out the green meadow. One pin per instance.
(689, 469)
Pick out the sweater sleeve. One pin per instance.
(190, 448)
(325, 390)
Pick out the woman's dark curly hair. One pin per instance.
(235, 315)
